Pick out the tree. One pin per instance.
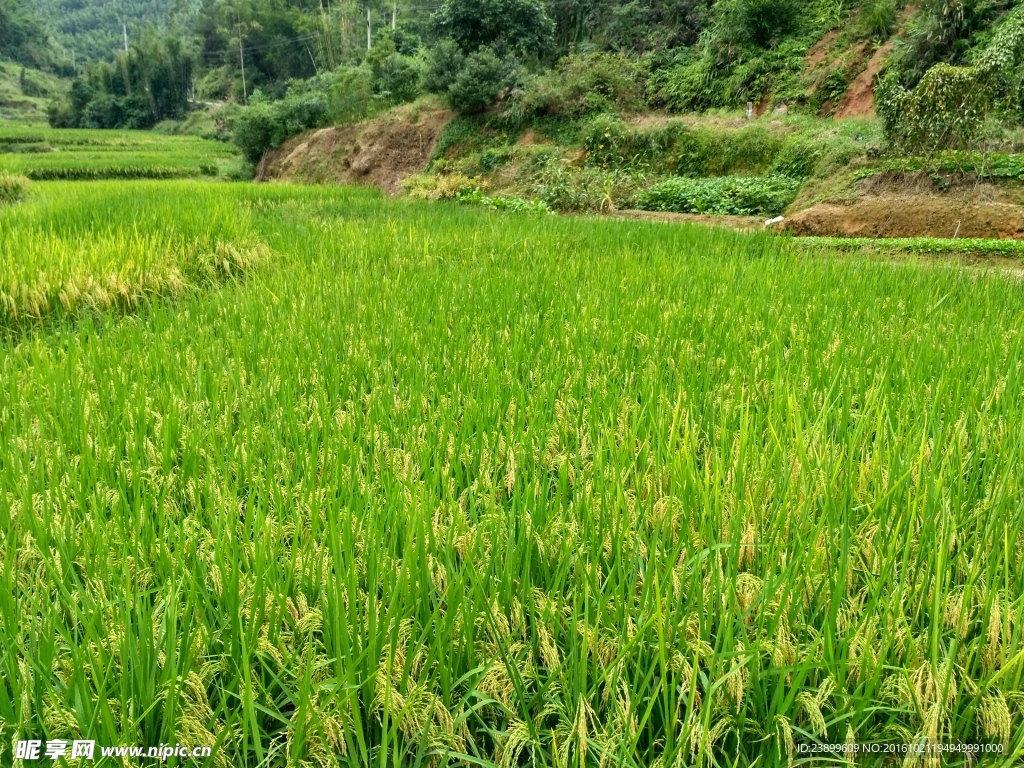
(519, 27)
(480, 81)
(22, 36)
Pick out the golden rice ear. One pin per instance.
(995, 718)
(812, 711)
(784, 738)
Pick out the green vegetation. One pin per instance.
(729, 195)
(94, 29)
(12, 188)
(23, 36)
(25, 91)
(111, 245)
(949, 106)
(49, 154)
(923, 245)
(597, 162)
(145, 85)
(437, 485)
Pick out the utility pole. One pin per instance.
(394, 15)
(124, 27)
(73, 67)
(369, 40)
(241, 58)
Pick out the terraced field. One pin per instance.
(46, 154)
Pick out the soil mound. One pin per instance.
(381, 152)
(895, 215)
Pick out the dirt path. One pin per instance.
(738, 223)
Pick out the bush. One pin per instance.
(763, 22)
(798, 159)
(265, 125)
(12, 188)
(443, 66)
(880, 19)
(447, 186)
(730, 195)
(480, 82)
(522, 27)
(584, 84)
(686, 85)
(396, 78)
(350, 96)
(216, 85)
(679, 149)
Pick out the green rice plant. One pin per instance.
(729, 195)
(85, 155)
(72, 173)
(443, 487)
(924, 245)
(91, 247)
(12, 188)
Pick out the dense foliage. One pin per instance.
(726, 195)
(150, 83)
(95, 30)
(23, 37)
(949, 105)
(534, 59)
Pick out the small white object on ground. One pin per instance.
(776, 220)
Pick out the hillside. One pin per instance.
(25, 92)
(95, 30)
(23, 35)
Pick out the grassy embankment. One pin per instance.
(436, 481)
(23, 97)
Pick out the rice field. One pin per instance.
(73, 248)
(47, 154)
(433, 485)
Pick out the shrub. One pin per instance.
(12, 188)
(216, 85)
(680, 149)
(480, 82)
(519, 26)
(582, 85)
(265, 125)
(492, 158)
(686, 85)
(443, 66)
(880, 19)
(396, 78)
(763, 22)
(729, 195)
(350, 96)
(798, 159)
(446, 186)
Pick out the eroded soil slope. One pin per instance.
(913, 205)
(381, 152)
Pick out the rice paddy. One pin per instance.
(433, 485)
(46, 154)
